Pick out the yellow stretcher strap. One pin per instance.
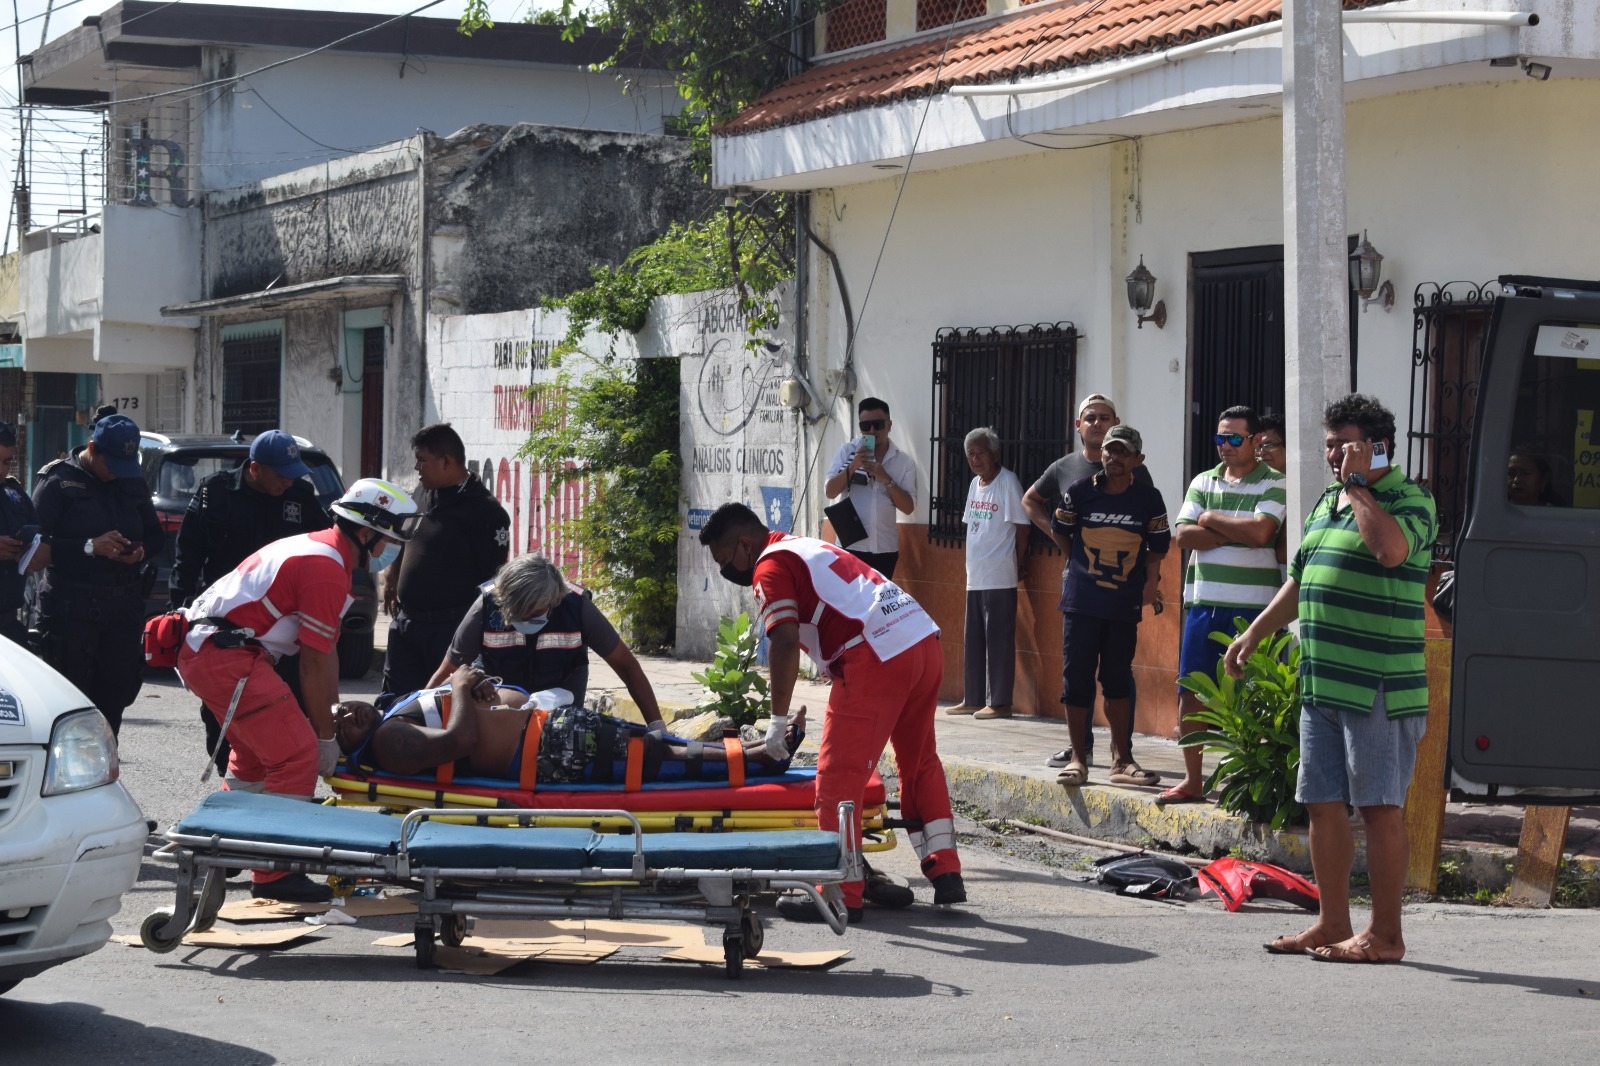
(528, 770)
(735, 750)
(633, 777)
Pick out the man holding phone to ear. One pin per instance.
(879, 480)
(19, 528)
(1356, 584)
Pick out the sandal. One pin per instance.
(1177, 795)
(1074, 776)
(1134, 774)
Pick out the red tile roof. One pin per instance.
(1028, 42)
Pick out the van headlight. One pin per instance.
(83, 754)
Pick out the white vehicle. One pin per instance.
(71, 838)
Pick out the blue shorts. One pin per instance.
(1361, 759)
(1199, 651)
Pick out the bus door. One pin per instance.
(1525, 688)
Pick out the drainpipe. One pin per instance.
(1511, 19)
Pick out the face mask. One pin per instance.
(532, 625)
(390, 553)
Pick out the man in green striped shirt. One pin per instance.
(1356, 584)
(1228, 523)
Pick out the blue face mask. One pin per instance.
(532, 625)
(391, 552)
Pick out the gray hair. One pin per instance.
(527, 586)
(985, 434)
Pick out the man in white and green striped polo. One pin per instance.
(1228, 523)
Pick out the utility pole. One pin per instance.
(1317, 290)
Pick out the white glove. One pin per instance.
(327, 757)
(777, 741)
(658, 727)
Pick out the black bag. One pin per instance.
(1444, 595)
(1149, 876)
(846, 522)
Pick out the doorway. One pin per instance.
(372, 401)
(1236, 344)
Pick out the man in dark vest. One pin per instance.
(19, 536)
(532, 631)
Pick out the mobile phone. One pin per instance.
(27, 532)
(1380, 455)
(868, 444)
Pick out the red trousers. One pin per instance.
(872, 703)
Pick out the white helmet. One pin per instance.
(378, 505)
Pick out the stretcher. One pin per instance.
(770, 802)
(472, 871)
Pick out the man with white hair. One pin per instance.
(531, 630)
(997, 546)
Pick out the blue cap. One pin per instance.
(277, 449)
(116, 440)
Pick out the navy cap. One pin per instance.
(277, 449)
(116, 440)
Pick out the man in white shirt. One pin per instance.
(997, 545)
(879, 480)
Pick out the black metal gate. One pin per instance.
(1017, 379)
(1450, 324)
(1237, 345)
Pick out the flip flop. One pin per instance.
(1361, 952)
(1134, 774)
(1287, 945)
(1074, 776)
(1177, 795)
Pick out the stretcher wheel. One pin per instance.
(213, 892)
(423, 940)
(454, 930)
(733, 954)
(752, 935)
(149, 932)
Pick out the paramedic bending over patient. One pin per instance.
(576, 745)
(531, 631)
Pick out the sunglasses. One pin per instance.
(1234, 439)
(872, 425)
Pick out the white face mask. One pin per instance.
(532, 625)
(390, 552)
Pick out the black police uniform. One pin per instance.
(16, 513)
(227, 522)
(91, 609)
(462, 541)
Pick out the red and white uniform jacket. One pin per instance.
(290, 595)
(837, 600)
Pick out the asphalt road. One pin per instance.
(1041, 965)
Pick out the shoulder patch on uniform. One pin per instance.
(291, 511)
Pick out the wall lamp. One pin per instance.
(1536, 71)
(1366, 268)
(1141, 293)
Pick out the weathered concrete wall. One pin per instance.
(539, 206)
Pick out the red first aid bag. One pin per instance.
(163, 638)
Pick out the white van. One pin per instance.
(71, 838)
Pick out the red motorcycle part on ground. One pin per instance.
(1237, 880)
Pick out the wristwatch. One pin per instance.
(88, 546)
(1356, 481)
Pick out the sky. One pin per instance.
(26, 17)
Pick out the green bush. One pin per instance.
(1255, 728)
(733, 687)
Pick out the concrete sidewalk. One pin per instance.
(998, 767)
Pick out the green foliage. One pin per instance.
(617, 429)
(474, 17)
(1255, 727)
(733, 687)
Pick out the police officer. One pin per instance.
(462, 540)
(17, 518)
(232, 515)
(94, 508)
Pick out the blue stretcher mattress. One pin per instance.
(262, 819)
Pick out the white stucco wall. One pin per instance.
(352, 102)
(1457, 183)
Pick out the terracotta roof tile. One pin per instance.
(1030, 41)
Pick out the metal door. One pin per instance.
(1525, 684)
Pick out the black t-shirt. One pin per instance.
(461, 542)
(1073, 467)
(1111, 535)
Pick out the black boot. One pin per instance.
(949, 889)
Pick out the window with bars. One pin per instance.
(856, 22)
(1018, 380)
(1450, 324)
(252, 376)
(935, 13)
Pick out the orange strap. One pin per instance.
(446, 772)
(528, 770)
(735, 750)
(633, 777)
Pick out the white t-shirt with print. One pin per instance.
(992, 514)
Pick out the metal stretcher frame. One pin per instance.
(410, 793)
(449, 895)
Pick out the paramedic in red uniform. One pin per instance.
(288, 598)
(881, 650)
